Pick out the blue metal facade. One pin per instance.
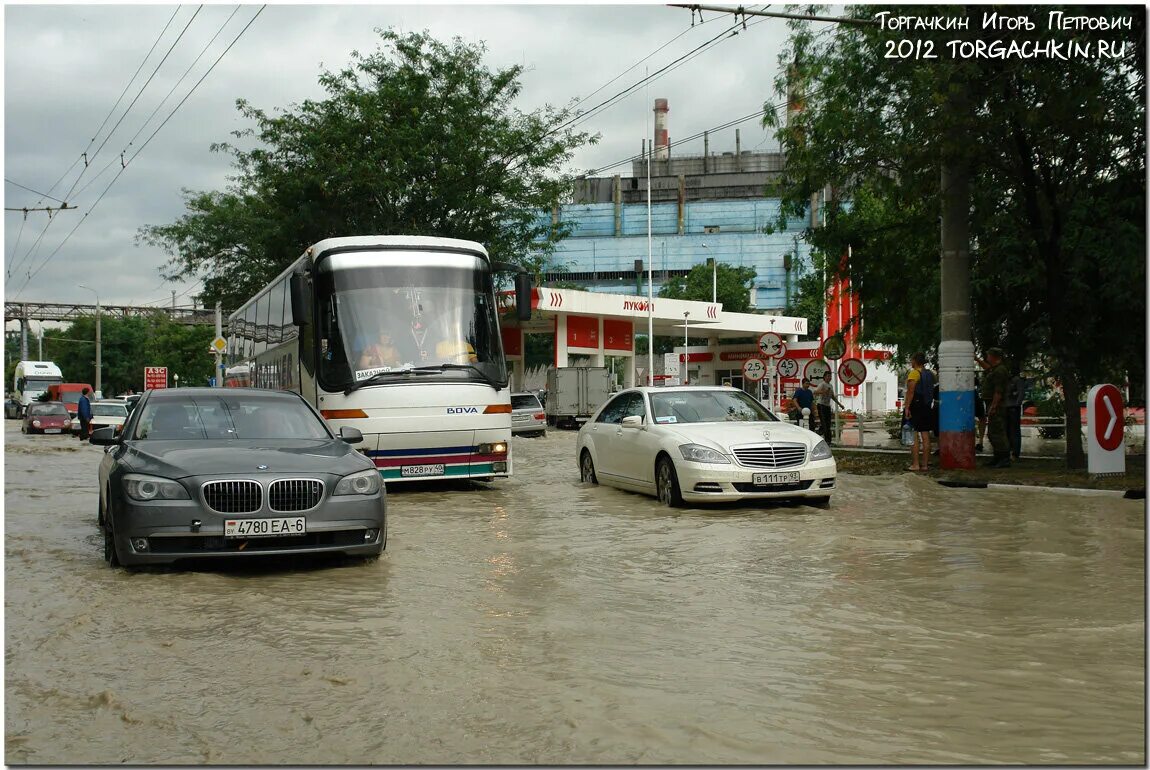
(741, 240)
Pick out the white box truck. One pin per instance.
(574, 393)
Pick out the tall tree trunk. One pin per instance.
(1071, 390)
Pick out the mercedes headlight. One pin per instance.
(362, 483)
(697, 453)
(146, 488)
(821, 451)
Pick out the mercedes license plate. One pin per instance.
(769, 479)
(421, 470)
(294, 525)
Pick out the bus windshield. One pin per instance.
(384, 314)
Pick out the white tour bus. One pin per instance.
(32, 379)
(396, 336)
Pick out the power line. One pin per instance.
(49, 209)
(136, 98)
(645, 58)
(144, 125)
(650, 77)
(84, 155)
(34, 192)
(33, 274)
(729, 124)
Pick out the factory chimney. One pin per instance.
(662, 141)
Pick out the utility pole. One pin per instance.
(956, 351)
(99, 347)
(219, 356)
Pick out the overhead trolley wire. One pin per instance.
(157, 130)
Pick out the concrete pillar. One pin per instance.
(617, 198)
(632, 362)
(600, 358)
(24, 339)
(561, 360)
(682, 203)
(519, 365)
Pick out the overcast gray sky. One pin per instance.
(66, 65)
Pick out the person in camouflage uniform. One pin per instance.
(995, 382)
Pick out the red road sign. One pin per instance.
(852, 371)
(815, 369)
(788, 367)
(155, 377)
(1110, 423)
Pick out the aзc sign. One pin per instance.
(155, 377)
(1105, 430)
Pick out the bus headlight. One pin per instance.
(494, 448)
(361, 483)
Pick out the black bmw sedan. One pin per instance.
(229, 472)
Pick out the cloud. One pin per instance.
(65, 66)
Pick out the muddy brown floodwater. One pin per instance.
(540, 620)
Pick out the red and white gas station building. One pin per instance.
(593, 326)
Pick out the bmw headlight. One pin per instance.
(697, 453)
(146, 488)
(362, 483)
(821, 451)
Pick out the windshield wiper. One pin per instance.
(380, 376)
(463, 367)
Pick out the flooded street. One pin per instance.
(539, 620)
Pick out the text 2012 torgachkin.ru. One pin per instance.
(992, 21)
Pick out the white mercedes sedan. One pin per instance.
(702, 444)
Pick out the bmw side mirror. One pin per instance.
(104, 437)
(633, 421)
(350, 435)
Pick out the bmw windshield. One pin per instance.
(387, 316)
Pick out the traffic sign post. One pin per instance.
(815, 370)
(754, 369)
(834, 348)
(771, 345)
(1105, 431)
(852, 371)
(155, 377)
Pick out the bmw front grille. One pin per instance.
(233, 496)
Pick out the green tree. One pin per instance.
(1057, 156)
(417, 138)
(734, 286)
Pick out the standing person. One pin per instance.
(824, 394)
(804, 398)
(995, 383)
(1015, 395)
(84, 411)
(919, 398)
(979, 415)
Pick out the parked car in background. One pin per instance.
(237, 472)
(109, 414)
(132, 399)
(702, 444)
(46, 417)
(527, 415)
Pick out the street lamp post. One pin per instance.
(685, 357)
(99, 347)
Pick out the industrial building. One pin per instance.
(710, 206)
